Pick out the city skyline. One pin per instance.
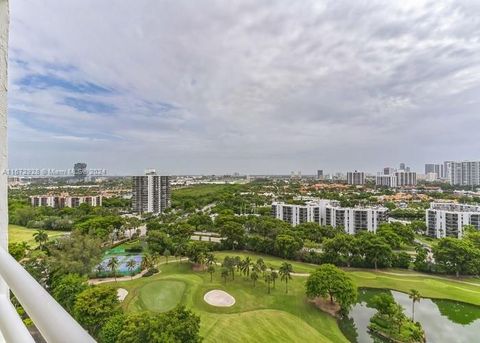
(260, 88)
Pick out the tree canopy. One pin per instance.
(330, 281)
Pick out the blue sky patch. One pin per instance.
(89, 106)
(38, 81)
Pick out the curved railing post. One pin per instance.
(54, 323)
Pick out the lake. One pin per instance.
(444, 321)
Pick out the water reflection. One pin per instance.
(443, 320)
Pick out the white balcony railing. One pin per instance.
(53, 322)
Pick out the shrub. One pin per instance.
(150, 272)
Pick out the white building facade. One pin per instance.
(397, 179)
(151, 193)
(389, 180)
(449, 219)
(356, 178)
(329, 212)
(406, 178)
(61, 201)
(465, 173)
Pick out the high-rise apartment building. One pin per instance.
(402, 166)
(389, 180)
(356, 178)
(449, 219)
(329, 212)
(447, 165)
(434, 168)
(151, 193)
(465, 173)
(80, 170)
(388, 171)
(320, 175)
(399, 178)
(406, 178)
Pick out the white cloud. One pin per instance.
(268, 86)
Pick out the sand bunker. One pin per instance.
(219, 298)
(121, 294)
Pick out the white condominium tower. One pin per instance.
(406, 178)
(356, 178)
(399, 178)
(466, 173)
(389, 180)
(151, 193)
(449, 219)
(329, 212)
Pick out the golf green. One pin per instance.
(162, 295)
(276, 316)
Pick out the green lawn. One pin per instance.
(17, 234)
(280, 317)
(430, 286)
(255, 317)
(161, 296)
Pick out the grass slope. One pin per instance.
(260, 326)
(431, 286)
(17, 234)
(256, 316)
(276, 317)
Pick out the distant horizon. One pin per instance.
(219, 173)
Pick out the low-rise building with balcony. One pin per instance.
(329, 212)
(449, 219)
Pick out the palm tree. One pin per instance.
(156, 258)
(261, 265)
(237, 262)
(148, 261)
(285, 271)
(25, 246)
(211, 260)
(131, 265)
(247, 263)
(229, 264)
(167, 254)
(113, 265)
(225, 273)
(211, 270)
(268, 281)
(416, 297)
(41, 237)
(254, 277)
(274, 275)
(201, 260)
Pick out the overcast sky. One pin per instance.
(192, 87)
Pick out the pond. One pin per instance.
(443, 320)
